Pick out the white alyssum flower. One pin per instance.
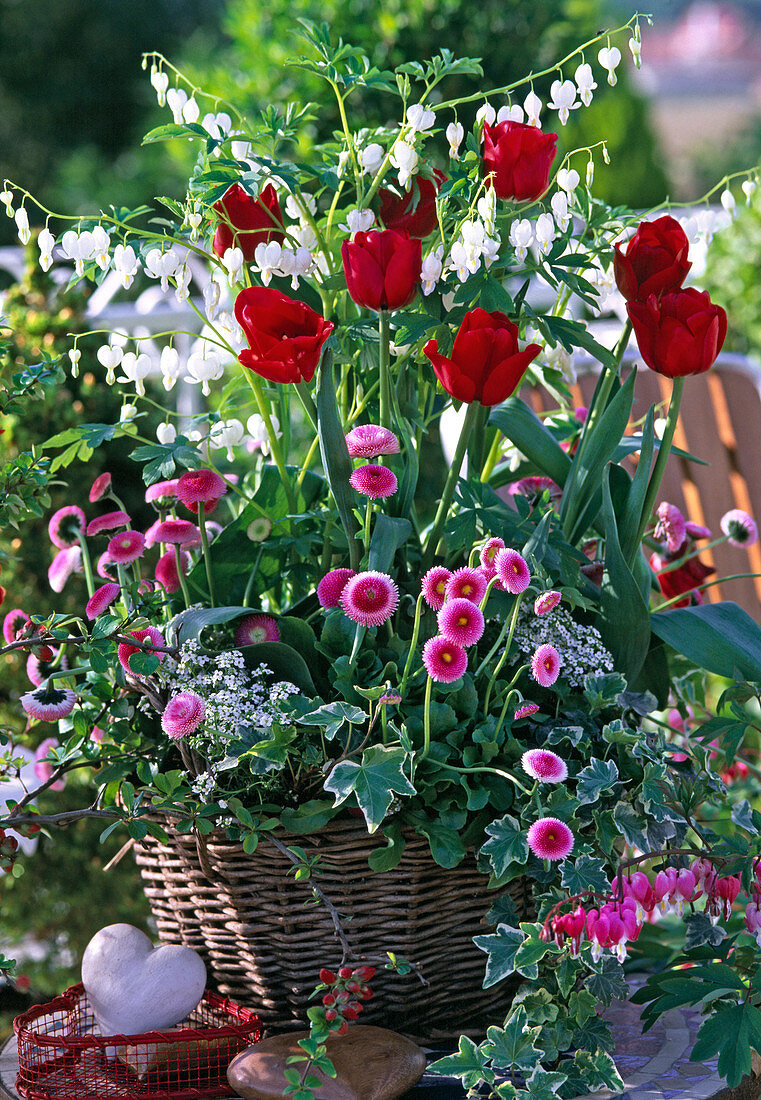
(46, 244)
(176, 98)
(257, 430)
(521, 237)
(232, 262)
(532, 105)
(22, 225)
(126, 264)
(160, 83)
(204, 366)
(110, 356)
(511, 112)
(166, 433)
(749, 187)
(358, 221)
(610, 58)
(584, 653)
(420, 118)
(585, 82)
(405, 159)
(486, 114)
(101, 247)
(569, 179)
(6, 198)
(455, 134)
(136, 368)
(559, 204)
(545, 233)
(563, 99)
(728, 201)
(431, 271)
(371, 158)
(226, 434)
(170, 367)
(162, 265)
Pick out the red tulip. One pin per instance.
(382, 268)
(518, 158)
(247, 222)
(683, 580)
(655, 261)
(681, 333)
(486, 363)
(418, 218)
(285, 336)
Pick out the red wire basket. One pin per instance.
(63, 1057)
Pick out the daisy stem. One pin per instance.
(451, 484)
(87, 565)
(508, 626)
(427, 721)
(503, 712)
(413, 643)
(368, 517)
(384, 336)
(205, 551)
(63, 673)
(491, 771)
(181, 575)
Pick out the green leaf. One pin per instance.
(700, 930)
(143, 664)
(732, 1033)
(719, 637)
(587, 873)
(544, 1085)
(335, 455)
(332, 716)
(445, 843)
(374, 782)
(742, 815)
(470, 1064)
(308, 817)
(283, 662)
(388, 856)
(630, 825)
(389, 534)
(501, 948)
(512, 1046)
(526, 431)
(174, 130)
(598, 776)
(609, 981)
(508, 844)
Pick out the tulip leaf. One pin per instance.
(389, 533)
(631, 514)
(574, 334)
(335, 454)
(719, 637)
(524, 429)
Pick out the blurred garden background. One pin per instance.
(74, 104)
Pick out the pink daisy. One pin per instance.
(332, 585)
(370, 441)
(444, 661)
(546, 601)
(255, 629)
(100, 487)
(489, 552)
(374, 481)
(101, 599)
(180, 532)
(66, 526)
(545, 665)
(739, 528)
(48, 703)
(581, 413)
(466, 584)
(526, 709)
(200, 487)
(150, 540)
(149, 635)
(461, 621)
(544, 765)
(434, 586)
(106, 567)
(183, 715)
(13, 623)
(370, 598)
(549, 838)
(43, 769)
(127, 547)
(163, 494)
(108, 522)
(512, 570)
(65, 563)
(670, 526)
(166, 570)
(38, 669)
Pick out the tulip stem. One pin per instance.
(492, 458)
(205, 551)
(302, 389)
(274, 442)
(384, 335)
(432, 542)
(600, 400)
(660, 463)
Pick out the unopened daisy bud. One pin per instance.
(546, 601)
(525, 710)
(455, 134)
(22, 225)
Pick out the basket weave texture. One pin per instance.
(62, 1056)
(264, 939)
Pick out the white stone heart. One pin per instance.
(135, 987)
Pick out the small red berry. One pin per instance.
(365, 973)
(327, 976)
(343, 1028)
(342, 997)
(330, 1014)
(366, 993)
(328, 999)
(350, 1013)
(345, 972)
(353, 986)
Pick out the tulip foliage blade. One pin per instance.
(335, 455)
(389, 534)
(720, 637)
(631, 516)
(524, 429)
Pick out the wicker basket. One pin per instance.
(264, 939)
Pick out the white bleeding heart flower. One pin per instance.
(545, 233)
(46, 244)
(101, 245)
(487, 208)
(635, 45)
(128, 412)
(420, 118)
(486, 114)
(176, 99)
(160, 83)
(268, 258)
(371, 158)
(559, 204)
(182, 278)
(728, 201)
(227, 434)
(6, 197)
(190, 111)
(204, 367)
(610, 58)
(126, 264)
(170, 366)
(212, 294)
(511, 112)
(22, 225)
(78, 247)
(358, 221)
(166, 433)
(431, 270)
(455, 134)
(135, 369)
(521, 237)
(161, 265)
(749, 187)
(563, 98)
(585, 82)
(569, 179)
(405, 159)
(532, 105)
(75, 355)
(110, 357)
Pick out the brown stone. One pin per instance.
(371, 1062)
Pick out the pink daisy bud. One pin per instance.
(697, 530)
(549, 838)
(66, 526)
(434, 586)
(512, 570)
(391, 698)
(332, 585)
(109, 522)
(100, 487)
(43, 769)
(544, 766)
(127, 547)
(466, 584)
(38, 670)
(526, 709)
(461, 621)
(370, 441)
(150, 635)
(180, 532)
(489, 552)
(370, 598)
(183, 715)
(374, 481)
(65, 563)
(166, 570)
(163, 494)
(581, 413)
(200, 487)
(101, 599)
(49, 703)
(13, 623)
(739, 528)
(150, 539)
(546, 601)
(545, 665)
(444, 661)
(670, 526)
(255, 629)
(106, 567)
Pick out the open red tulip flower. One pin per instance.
(680, 333)
(414, 212)
(486, 364)
(655, 260)
(285, 336)
(246, 222)
(518, 158)
(382, 268)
